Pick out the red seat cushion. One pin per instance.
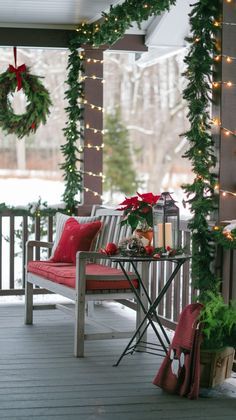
(75, 237)
(65, 274)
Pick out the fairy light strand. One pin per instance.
(228, 58)
(95, 193)
(91, 146)
(100, 175)
(226, 192)
(93, 77)
(95, 130)
(93, 106)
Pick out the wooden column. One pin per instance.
(225, 109)
(93, 126)
(227, 152)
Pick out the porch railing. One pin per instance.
(15, 230)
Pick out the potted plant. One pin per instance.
(219, 339)
(138, 213)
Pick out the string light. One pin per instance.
(226, 131)
(91, 146)
(95, 193)
(218, 83)
(94, 60)
(93, 106)
(100, 175)
(95, 130)
(228, 58)
(229, 23)
(225, 193)
(93, 77)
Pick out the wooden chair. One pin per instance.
(93, 278)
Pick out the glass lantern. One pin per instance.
(166, 223)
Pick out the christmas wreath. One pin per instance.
(38, 101)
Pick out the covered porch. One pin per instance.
(39, 377)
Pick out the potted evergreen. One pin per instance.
(219, 339)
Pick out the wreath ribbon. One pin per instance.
(17, 71)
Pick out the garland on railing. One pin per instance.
(225, 238)
(200, 194)
(112, 27)
(35, 209)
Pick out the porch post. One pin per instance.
(93, 126)
(227, 150)
(225, 110)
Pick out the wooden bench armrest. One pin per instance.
(39, 244)
(87, 255)
(30, 245)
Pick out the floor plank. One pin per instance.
(41, 380)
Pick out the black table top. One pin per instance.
(129, 258)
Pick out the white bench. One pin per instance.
(111, 232)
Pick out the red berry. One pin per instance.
(111, 248)
(149, 249)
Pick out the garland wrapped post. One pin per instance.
(112, 27)
(73, 132)
(38, 101)
(201, 153)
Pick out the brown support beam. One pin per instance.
(59, 38)
(35, 38)
(227, 155)
(224, 108)
(93, 123)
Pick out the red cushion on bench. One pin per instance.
(64, 273)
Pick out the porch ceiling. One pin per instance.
(164, 34)
(51, 13)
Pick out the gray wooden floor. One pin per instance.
(40, 379)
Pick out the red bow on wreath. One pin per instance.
(17, 71)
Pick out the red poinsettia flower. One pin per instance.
(128, 203)
(138, 211)
(149, 198)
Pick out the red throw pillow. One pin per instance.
(75, 237)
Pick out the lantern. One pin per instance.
(166, 223)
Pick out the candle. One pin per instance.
(168, 235)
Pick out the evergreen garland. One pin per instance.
(225, 238)
(74, 132)
(201, 152)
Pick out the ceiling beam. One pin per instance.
(57, 38)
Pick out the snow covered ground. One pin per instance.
(22, 191)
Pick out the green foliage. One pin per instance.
(118, 165)
(74, 133)
(227, 239)
(200, 194)
(37, 108)
(119, 18)
(219, 322)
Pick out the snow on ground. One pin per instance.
(20, 192)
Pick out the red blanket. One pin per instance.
(180, 370)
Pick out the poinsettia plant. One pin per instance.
(138, 211)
